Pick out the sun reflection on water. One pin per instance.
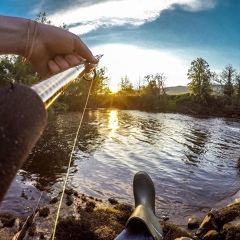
(113, 119)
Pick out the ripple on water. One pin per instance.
(192, 161)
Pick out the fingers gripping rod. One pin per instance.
(51, 88)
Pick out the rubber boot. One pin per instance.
(144, 195)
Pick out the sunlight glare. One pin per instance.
(136, 62)
(113, 87)
(113, 119)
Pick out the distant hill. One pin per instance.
(177, 90)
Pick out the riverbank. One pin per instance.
(185, 103)
(83, 217)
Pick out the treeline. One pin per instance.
(209, 93)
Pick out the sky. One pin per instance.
(141, 37)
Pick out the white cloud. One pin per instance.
(121, 12)
(128, 60)
(200, 5)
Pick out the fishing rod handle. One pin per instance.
(50, 88)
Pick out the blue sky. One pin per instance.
(140, 37)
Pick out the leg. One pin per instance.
(135, 231)
(142, 224)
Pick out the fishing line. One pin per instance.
(69, 163)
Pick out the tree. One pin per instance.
(216, 83)
(12, 70)
(79, 87)
(125, 86)
(76, 94)
(200, 76)
(155, 83)
(238, 87)
(160, 79)
(155, 89)
(228, 77)
(42, 18)
(101, 82)
(139, 86)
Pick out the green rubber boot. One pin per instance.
(144, 195)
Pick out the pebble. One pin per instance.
(193, 223)
(113, 201)
(165, 218)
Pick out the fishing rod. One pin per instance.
(23, 117)
(52, 87)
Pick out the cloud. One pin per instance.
(199, 5)
(84, 18)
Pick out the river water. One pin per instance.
(193, 161)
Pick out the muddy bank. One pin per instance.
(85, 218)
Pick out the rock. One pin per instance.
(165, 218)
(209, 223)
(86, 218)
(113, 201)
(211, 235)
(235, 222)
(16, 226)
(104, 232)
(231, 230)
(69, 201)
(10, 225)
(193, 223)
(43, 212)
(183, 238)
(7, 220)
(228, 213)
(54, 200)
(221, 224)
(171, 232)
(6, 234)
(90, 205)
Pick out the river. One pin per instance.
(193, 161)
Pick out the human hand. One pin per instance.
(56, 50)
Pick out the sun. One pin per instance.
(113, 87)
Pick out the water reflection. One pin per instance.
(113, 119)
(194, 162)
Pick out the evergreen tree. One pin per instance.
(238, 88)
(228, 76)
(12, 70)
